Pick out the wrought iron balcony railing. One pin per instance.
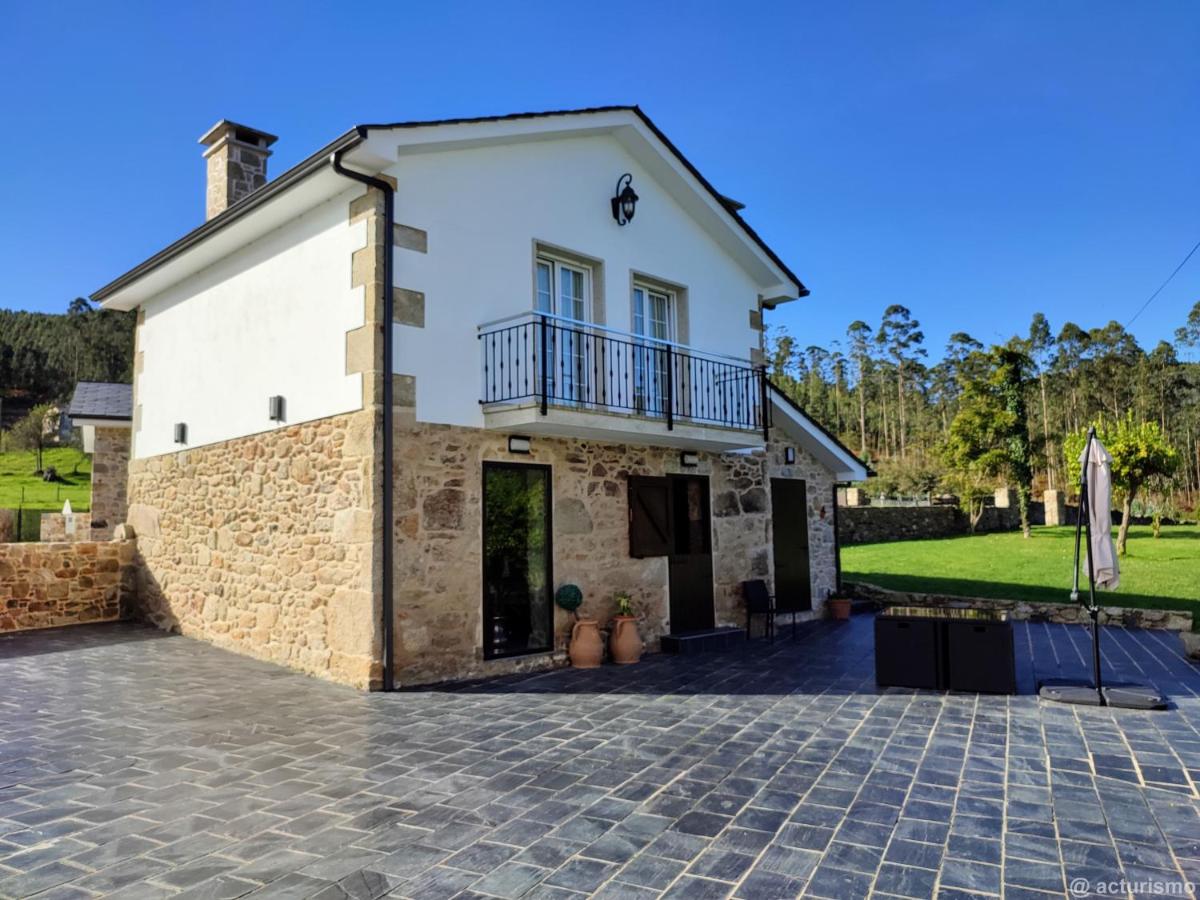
(565, 363)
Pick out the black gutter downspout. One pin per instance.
(389, 215)
(837, 540)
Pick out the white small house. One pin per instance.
(388, 402)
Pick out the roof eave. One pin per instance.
(246, 205)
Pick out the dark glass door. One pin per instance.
(517, 574)
(690, 559)
(789, 521)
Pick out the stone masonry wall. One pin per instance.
(110, 472)
(52, 528)
(264, 545)
(1055, 613)
(47, 585)
(872, 524)
(438, 510)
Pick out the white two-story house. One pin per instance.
(387, 402)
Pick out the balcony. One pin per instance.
(543, 374)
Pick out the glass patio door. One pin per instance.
(564, 290)
(653, 317)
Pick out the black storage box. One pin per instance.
(956, 649)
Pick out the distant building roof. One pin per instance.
(101, 400)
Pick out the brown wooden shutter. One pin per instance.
(649, 517)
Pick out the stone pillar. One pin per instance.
(237, 164)
(1006, 498)
(110, 475)
(1056, 507)
(856, 497)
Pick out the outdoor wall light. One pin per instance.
(181, 432)
(519, 444)
(789, 455)
(688, 459)
(275, 408)
(625, 200)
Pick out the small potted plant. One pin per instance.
(586, 648)
(838, 605)
(624, 643)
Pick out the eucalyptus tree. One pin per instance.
(859, 334)
(1040, 346)
(901, 336)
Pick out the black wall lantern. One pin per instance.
(625, 200)
(789, 456)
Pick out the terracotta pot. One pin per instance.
(625, 644)
(839, 607)
(587, 649)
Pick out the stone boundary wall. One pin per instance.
(1057, 613)
(53, 528)
(45, 585)
(875, 524)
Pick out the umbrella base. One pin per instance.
(1134, 696)
(1083, 693)
(1123, 695)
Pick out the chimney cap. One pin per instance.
(242, 133)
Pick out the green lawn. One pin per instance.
(1156, 574)
(16, 476)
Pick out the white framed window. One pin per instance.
(653, 317)
(564, 289)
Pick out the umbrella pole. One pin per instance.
(1084, 527)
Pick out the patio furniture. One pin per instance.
(759, 602)
(945, 649)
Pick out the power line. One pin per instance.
(1150, 299)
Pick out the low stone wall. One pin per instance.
(47, 585)
(53, 528)
(1058, 613)
(875, 524)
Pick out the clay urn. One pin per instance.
(624, 643)
(587, 648)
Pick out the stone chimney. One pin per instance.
(237, 164)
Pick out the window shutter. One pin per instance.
(649, 517)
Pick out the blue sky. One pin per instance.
(974, 161)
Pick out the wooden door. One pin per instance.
(789, 521)
(690, 559)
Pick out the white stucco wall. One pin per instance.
(483, 208)
(269, 319)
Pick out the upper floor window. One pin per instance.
(563, 289)
(653, 313)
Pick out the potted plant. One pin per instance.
(624, 643)
(838, 605)
(586, 648)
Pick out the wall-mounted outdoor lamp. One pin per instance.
(789, 455)
(688, 459)
(519, 444)
(275, 408)
(181, 432)
(624, 202)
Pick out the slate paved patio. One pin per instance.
(140, 765)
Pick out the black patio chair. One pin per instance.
(759, 602)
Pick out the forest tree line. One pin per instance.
(909, 418)
(43, 355)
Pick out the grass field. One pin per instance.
(1156, 574)
(17, 479)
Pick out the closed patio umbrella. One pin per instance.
(1096, 466)
(1095, 518)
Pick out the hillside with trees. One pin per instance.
(43, 355)
(1010, 413)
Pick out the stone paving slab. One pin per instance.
(135, 764)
